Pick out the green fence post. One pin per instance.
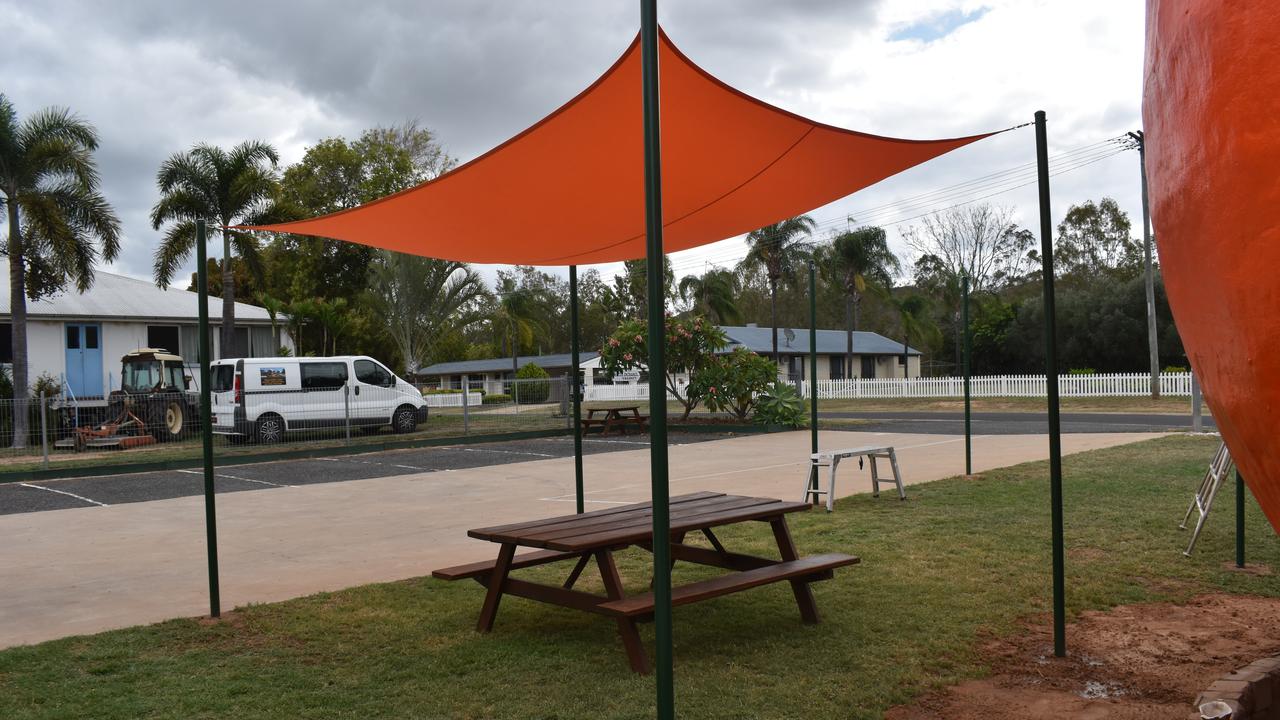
(657, 363)
(1239, 520)
(813, 378)
(575, 386)
(968, 433)
(1051, 388)
(206, 423)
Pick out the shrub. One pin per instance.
(690, 348)
(1081, 371)
(441, 391)
(46, 384)
(534, 385)
(1175, 369)
(731, 383)
(780, 405)
(496, 398)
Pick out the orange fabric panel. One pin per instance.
(1210, 103)
(570, 190)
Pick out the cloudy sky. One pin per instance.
(156, 76)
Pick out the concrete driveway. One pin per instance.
(88, 569)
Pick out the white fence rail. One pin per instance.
(1112, 385)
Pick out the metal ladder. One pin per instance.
(1220, 468)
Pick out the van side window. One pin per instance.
(323, 376)
(371, 373)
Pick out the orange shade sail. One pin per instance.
(570, 189)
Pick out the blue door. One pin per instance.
(84, 359)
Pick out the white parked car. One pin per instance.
(264, 398)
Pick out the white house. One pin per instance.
(874, 355)
(81, 337)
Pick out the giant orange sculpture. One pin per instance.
(1210, 108)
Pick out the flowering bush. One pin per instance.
(731, 383)
(690, 348)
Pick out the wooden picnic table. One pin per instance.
(618, 417)
(598, 534)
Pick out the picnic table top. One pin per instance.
(611, 406)
(630, 524)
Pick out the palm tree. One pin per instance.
(714, 293)
(778, 250)
(517, 316)
(857, 260)
(49, 187)
(914, 320)
(228, 188)
(419, 298)
(274, 307)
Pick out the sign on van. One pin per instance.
(271, 376)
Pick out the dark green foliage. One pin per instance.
(534, 385)
(732, 382)
(780, 405)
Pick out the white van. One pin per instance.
(263, 398)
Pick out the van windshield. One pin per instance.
(221, 378)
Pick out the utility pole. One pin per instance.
(1153, 341)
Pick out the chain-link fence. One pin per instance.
(132, 428)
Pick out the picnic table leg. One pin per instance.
(799, 588)
(497, 579)
(626, 626)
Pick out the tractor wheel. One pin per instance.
(174, 422)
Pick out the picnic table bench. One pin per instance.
(832, 458)
(597, 535)
(615, 418)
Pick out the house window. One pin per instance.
(164, 337)
(837, 367)
(6, 343)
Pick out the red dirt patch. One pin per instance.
(1135, 661)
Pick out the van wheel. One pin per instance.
(270, 429)
(405, 419)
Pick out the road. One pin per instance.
(1014, 423)
(36, 496)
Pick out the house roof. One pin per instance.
(124, 298)
(830, 342)
(546, 362)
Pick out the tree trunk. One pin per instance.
(906, 359)
(773, 315)
(515, 362)
(848, 341)
(229, 349)
(18, 318)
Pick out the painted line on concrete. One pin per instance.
(234, 477)
(511, 452)
(64, 492)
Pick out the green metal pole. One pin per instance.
(968, 348)
(1239, 520)
(813, 375)
(574, 384)
(206, 424)
(1051, 382)
(663, 667)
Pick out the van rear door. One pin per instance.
(222, 396)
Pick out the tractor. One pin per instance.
(153, 404)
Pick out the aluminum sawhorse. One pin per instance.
(832, 458)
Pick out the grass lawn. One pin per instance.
(961, 560)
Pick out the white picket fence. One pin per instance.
(452, 399)
(1112, 385)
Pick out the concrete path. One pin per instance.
(84, 570)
